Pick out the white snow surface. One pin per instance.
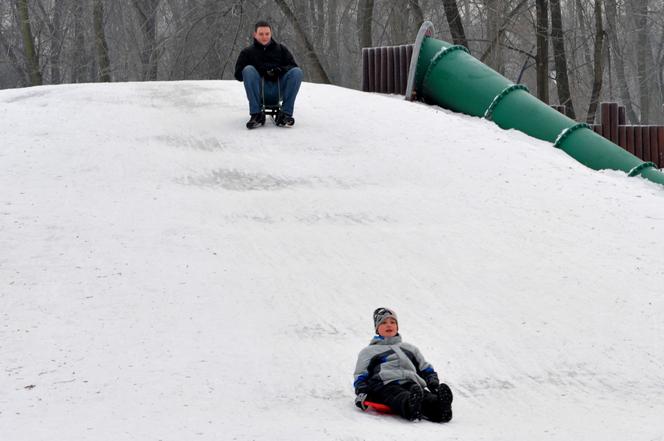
(167, 274)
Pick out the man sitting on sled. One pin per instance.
(271, 78)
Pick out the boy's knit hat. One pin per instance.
(381, 314)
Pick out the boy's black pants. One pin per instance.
(396, 396)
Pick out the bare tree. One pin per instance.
(583, 44)
(54, 40)
(496, 35)
(365, 10)
(397, 20)
(641, 19)
(416, 9)
(454, 22)
(598, 64)
(79, 68)
(319, 72)
(560, 59)
(17, 75)
(103, 60)
(619, 64)
(542, 58)
(31, 57)
(147, 13)
(332, 24)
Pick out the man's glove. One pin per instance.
(359, 401)
(273, 73)
(433, 385)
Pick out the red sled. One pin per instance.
(378, 407)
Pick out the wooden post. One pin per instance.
(621, 115)
(605, 120)
(390, 72)
(383, 70)
(660, 141)
(630, 139)
(646, 143)
(376, 63)
(613, 122)
(638, 142)
(654, 145)
(365, 69)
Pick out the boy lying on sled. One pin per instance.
(394, 373)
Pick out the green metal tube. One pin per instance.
(450, 77)
(522, 111)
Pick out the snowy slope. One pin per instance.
(166, 274)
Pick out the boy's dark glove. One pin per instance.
(433, 385)
(359, 401)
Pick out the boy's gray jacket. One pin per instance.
(387, 360)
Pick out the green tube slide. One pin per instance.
(448, 76)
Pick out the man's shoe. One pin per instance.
(445, 402)
(256, 120)
(414, 403)
(284, 120)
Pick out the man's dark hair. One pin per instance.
(262, 24)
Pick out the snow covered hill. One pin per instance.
(166, 274)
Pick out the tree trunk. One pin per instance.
(495, 34)
(612, 31)
(311, 55)
(100, 42)
(147, 14)
(214, 31)
(418, 15)
(56, 42)
(542, 58)
(660, 77)
(598, 63)
(587, 58)
(454, 22)
(364, 22)
(398, 21)
(16, 64)
(560, 59)
(31, 56)
(333, 37)
(641, 18)
(496, 39)
(79, 68)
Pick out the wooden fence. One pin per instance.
(385, 69)
(645, 142)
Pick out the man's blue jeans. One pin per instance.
(289, 85)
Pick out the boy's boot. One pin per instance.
(445, 402)
(414, 403)
(284, 120)
(256, 120)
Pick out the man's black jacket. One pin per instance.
(271, 61)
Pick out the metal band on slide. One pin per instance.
(639, 168)
(567, 132)
(489, 111)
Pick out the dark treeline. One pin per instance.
(570, 52)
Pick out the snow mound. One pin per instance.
(167, 274)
